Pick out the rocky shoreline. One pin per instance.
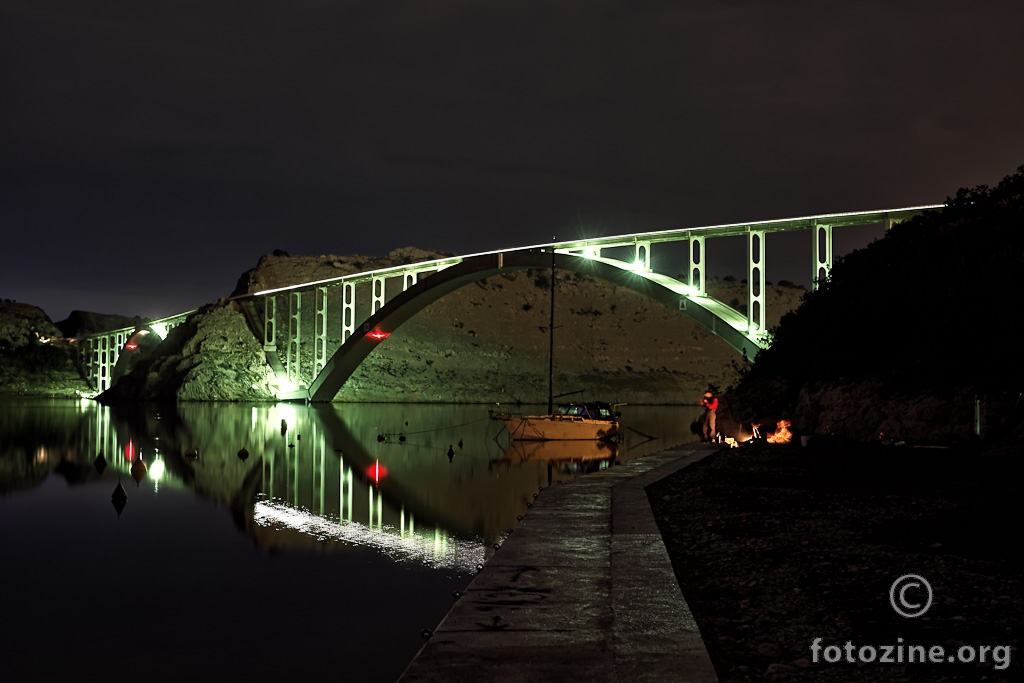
(775, 546)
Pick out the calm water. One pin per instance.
(325, 552)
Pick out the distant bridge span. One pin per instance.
(318, 375)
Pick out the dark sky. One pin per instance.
(150, 152)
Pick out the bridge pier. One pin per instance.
(293, 360)
(379, 292)
(642, 256)
(697, 281)
(348, 310)
(755, 282)
(320, 331)
(270, 324)
(822, 253)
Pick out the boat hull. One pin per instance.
(559, 428)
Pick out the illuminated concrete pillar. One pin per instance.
(409, 279)
(821, 253)
(379, 290)
(755, 281)
(320, 331)
(270, 323)
(293, 359)
(348, 310)
(351, 485)
(696, 273)
(642, 255)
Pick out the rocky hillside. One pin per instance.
(35, 358)
(485, 343)
(488, 342)
(212, 356)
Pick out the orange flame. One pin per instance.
(781, 433)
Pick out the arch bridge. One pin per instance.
(312, 368)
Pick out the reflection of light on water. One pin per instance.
(438, 550)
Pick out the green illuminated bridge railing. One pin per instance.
(310, 366)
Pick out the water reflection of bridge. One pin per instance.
(326, 481)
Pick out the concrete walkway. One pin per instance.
(582, 590)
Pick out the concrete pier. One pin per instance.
(583, 589)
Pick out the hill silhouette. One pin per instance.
(924, 313)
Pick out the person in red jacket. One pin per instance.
(709, 429)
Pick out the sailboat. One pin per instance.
(587, 421)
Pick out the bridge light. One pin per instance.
(160, 330)
(131, 346)
(379, 335)
(639, 266)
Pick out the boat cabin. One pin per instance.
(594, 410)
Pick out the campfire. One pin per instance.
(780, 435)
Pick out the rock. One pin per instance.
(212, 356)
(35, 358)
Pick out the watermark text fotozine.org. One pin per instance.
(910, 596)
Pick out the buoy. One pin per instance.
(243, 455)
(99, 464)
(138, 470)
(192, 454)
(119, 498)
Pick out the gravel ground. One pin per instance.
(775, 546)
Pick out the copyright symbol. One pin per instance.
(906, 593)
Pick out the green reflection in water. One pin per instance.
(308, 466)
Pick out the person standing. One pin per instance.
(709, 428)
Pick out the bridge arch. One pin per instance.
(720, 319)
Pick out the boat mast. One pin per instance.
(551, 338)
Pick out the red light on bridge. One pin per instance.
(131, 346)
(378, 335)
(376, 471)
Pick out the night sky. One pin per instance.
(150, 152)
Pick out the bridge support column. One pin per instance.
(379, 289)
(348, 310)
(293, 360)
(696, 273)
(270, 323)
(409, 279)
(320, 331)
(755, 282)
(642, 256)
(822, 253)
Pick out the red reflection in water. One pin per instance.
(376, 471)
(129, 451)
